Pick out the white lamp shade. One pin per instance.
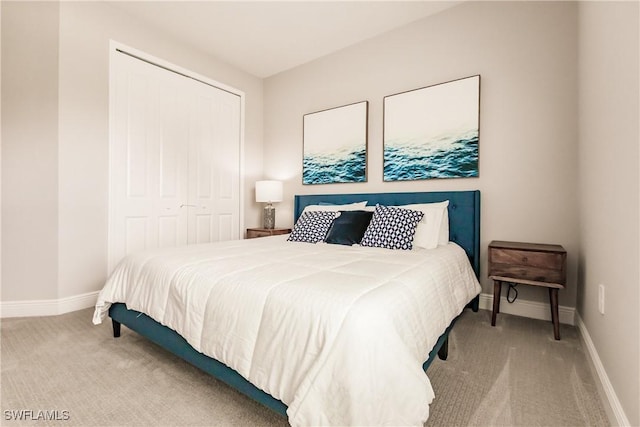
(268, 191)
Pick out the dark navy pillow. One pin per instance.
(349, 227)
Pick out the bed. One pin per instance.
(326, 385)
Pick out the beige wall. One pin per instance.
(609, 191)
(30, 150)
(55, 139)
(526, 54)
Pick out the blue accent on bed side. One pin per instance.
(464, 212)
(172, 341)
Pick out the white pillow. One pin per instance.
(335, 208)
(444, 227)
(433, 229)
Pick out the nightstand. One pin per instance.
(252, 233)
(528, 264)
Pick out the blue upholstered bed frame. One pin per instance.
(464, 212)
(464, 229)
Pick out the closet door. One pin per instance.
(214, 166)
(174, 160)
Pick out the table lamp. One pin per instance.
(269, 192)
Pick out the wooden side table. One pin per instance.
(528, 264)
(253, 233)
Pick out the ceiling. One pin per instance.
(264, 38)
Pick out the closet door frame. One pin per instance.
(117, 48)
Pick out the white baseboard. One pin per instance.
(610, 393)
(51, 307)
(534, 310)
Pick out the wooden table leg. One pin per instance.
(550, 304)
(497, 291)
(553, 297)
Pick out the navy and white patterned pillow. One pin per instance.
(312, 226)
(392, 228)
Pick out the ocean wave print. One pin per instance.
(447, 156)
(339, 166)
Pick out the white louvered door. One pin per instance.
(174, 160)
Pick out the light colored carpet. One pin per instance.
(513, 374)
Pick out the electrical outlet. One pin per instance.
(601, 298)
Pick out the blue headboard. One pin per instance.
(464, 212)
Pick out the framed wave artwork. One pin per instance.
(335, 145)
(433, 132)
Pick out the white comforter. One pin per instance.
(337, 333)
